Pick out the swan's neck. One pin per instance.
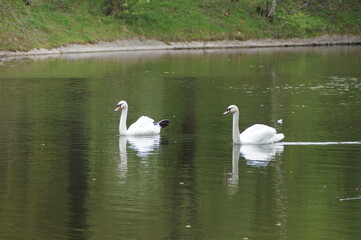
(235, 129)
(123, 122)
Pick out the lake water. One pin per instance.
(66, 174)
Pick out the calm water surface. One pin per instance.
(66, 174)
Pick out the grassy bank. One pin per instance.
(51, 23)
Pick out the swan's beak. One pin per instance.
(117, 108)
(226, 112)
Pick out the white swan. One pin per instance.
(143, 126)
(255, 134)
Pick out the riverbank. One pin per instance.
(137, 45)
(57, 27)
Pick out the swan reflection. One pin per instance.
(123, 164)
(255, 155)
(144, 146)
(260, 155)
(233, 176)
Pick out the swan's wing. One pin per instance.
(143, 121)
(259, 134)
(143, 126)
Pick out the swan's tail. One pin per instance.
(278, 137)
(162, 123)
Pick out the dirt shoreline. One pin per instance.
(137, 45)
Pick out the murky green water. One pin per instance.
(66, 174)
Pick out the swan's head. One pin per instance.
(121, 105)
(231, 109)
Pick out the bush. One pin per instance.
(303, 22)
(123, 8)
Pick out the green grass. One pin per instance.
(53, 23)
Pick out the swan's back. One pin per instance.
(144, 126)
(260, 134)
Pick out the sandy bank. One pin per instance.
(136, 44)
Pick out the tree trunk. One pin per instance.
(272, 9)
